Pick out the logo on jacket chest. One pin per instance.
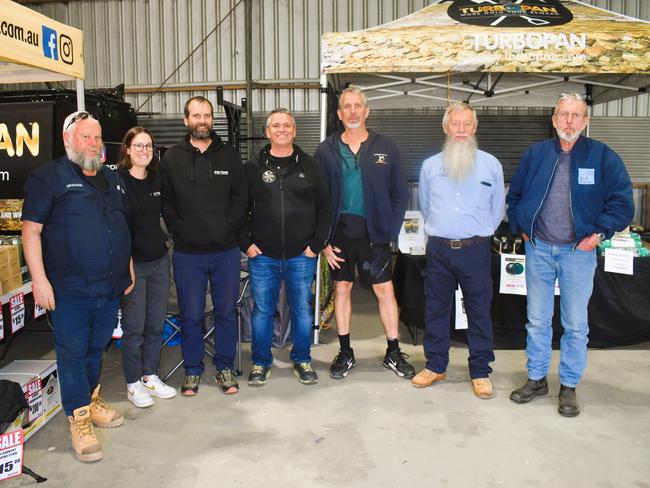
(381, 158)
(220, 172)
(268, 176)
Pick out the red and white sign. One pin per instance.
(11, 454)
(34, 394)
(17, 312)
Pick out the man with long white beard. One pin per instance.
(77, 245)
(461, 194)
(568, 194)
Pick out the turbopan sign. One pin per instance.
(513, 13)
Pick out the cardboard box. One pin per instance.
(39, 380)
(10, 272)
(17, 241)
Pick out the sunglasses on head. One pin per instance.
(82, 115)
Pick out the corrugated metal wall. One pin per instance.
(141, 42)
(630, 138)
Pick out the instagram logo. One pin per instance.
(65, 49)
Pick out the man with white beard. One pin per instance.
(77, 245)
(462, 201)
(568, 194)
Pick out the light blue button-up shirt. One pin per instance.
(458, 210)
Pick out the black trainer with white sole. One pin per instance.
(342, 364)
(396, 361)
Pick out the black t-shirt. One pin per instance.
(280, 165)
(143, 205)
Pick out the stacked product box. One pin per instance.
(40, 383)
(10, 274)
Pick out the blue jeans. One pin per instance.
(143, 317)
(191, 273)
(575, 271)
(82, 329)
(265, 277)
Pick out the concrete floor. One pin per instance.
(371, 430)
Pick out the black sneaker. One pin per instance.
(396, 360)
(342, 364)
(259, 375)
(226, 381)
(305, 373)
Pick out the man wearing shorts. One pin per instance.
(369, 199)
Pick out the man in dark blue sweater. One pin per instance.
(369, 198)
(568, 194)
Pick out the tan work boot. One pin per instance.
(101, 414)
(426, 377)
(86, 446)
(483, 388)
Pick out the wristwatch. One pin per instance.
(601, 237)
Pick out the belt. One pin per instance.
(460, 243)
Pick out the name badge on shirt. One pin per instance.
(586, 176)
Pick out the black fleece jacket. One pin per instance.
(204, 196)
(288, 210)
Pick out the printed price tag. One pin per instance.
(17, 312)
(11, 454)
(38, 311)
(34, 399)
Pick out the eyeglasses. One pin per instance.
(138, 146)
(77, 116)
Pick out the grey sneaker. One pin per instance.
(305, 373)
(191, 385)
(259, 375)
(226, 381)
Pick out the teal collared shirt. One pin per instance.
(352, 187)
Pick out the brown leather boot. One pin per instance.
(102, 415)
(86, 446)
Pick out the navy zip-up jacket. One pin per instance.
(385, 192)
(601, 190)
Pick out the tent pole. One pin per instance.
(81, 100)
(323, 134)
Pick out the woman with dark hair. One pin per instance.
(144, 309)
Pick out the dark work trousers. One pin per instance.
(445, 269)
(143, 317)
(191, 273)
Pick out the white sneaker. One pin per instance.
(155, 387)
(138, 395)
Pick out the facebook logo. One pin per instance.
(50, 49)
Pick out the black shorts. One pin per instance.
(372, 261)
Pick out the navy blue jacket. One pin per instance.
(601, 190)
(85, 238)
(385, 192)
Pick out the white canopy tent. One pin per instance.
(35, 48)
(490, 53)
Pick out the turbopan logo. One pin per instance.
(57, 46)
(510, 13)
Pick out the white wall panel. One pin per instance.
(141, 42)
